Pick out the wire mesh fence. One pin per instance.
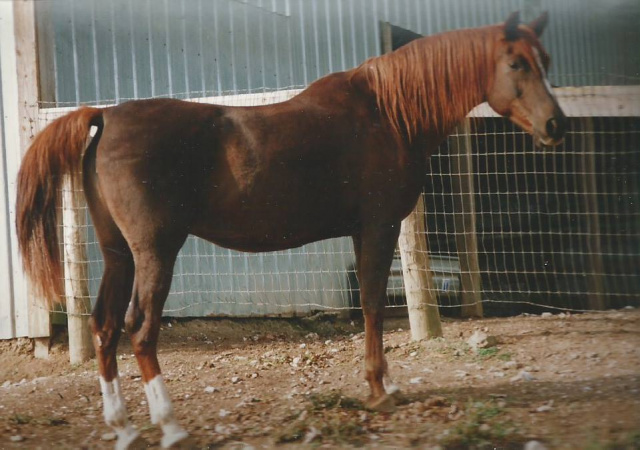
(556, 228)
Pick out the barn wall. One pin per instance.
(121, 49)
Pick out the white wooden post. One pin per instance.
(422, 303)
(76, 284)
(20, 101)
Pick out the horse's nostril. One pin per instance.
(555, 129)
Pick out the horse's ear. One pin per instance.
(511, 26)
(540, 23)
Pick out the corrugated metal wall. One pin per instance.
(103, 51)
(95, 51)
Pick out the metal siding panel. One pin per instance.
(176, 49)
(272, 68)
(82, 32)
(309, 39)
(295, 42)
(65, 85)
(328, 19)
(224, 46)
(158, 50)
(206, 49)
(309, 69)
(138, 22)
(341, 34)
(365, 33)
(353, 34)
(260, 47)
(122, 49)
(236, 46)
(104, 36)
(255, 20)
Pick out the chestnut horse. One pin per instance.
(346, 157)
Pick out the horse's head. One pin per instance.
(519, 88)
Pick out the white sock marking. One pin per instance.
(161, 411)
(389, 385)
(115, 412)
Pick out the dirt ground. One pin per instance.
(567, 381)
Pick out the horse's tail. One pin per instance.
(55, 152)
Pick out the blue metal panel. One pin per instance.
(122, 49)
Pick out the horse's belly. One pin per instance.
(269, 224)
(279, 235)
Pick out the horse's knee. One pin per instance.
(106, 336)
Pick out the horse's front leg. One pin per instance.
(150, 289)
(374, 247)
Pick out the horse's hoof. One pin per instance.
(139, 443)
(397, 396)
(385, 404)
(394, 391)
(182, 441)
(131, 440)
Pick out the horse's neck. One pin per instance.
(460, 79)
(429, 86)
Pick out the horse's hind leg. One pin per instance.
(107, 318)
(374, 248)
(107, 321)
(154, 269)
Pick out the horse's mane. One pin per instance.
(432, 83)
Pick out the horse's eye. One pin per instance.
(519, 64)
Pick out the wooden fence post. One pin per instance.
(76, 283)
(590, 201)
(422, 302)
(465, 221)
